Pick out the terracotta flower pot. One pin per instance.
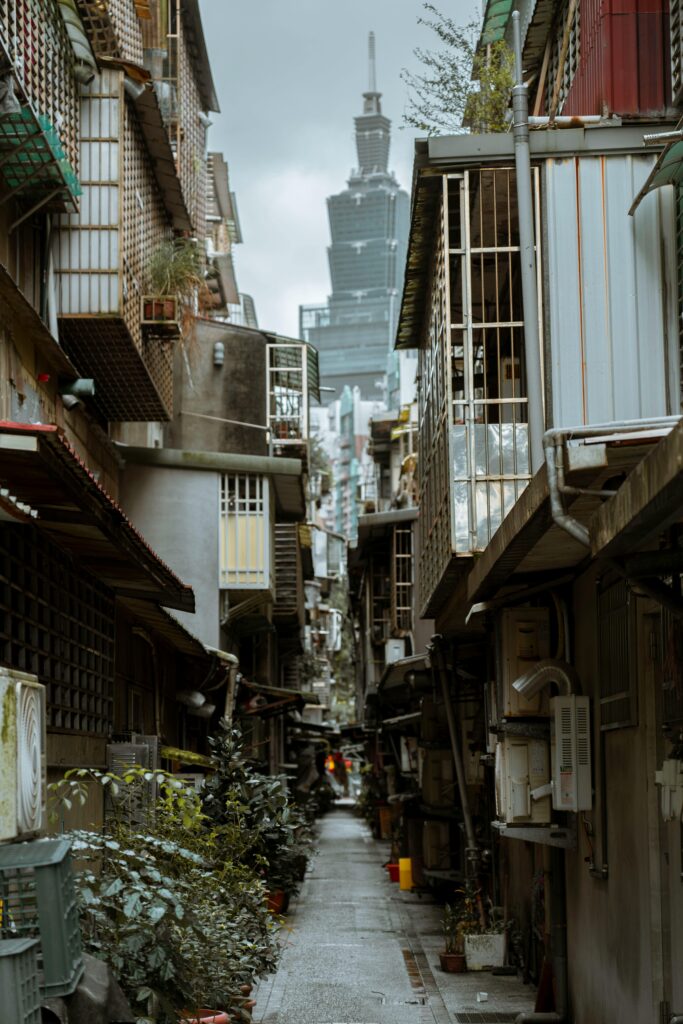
(453, 963)
(206, 1017)
(276, 901)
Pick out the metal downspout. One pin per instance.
(527, 252)
(553, 446)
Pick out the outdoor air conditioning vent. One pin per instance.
(571, 753)
(22, 754)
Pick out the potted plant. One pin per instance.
(453, 958)
(484, 940)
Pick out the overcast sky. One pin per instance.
(289, 76)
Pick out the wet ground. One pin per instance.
(357, 950)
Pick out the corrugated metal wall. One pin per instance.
(611, 303)
(624, 65)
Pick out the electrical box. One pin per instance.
(22, 755)
(522, 766)
(394, 650)
(436, 777)
(436, 845)
(525, 640)
(571, 753)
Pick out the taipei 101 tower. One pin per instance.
(354, 331)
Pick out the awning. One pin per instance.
(375, 524)
(496, 18)
(274, 700)
(649, 501)
(22, 319)
(224, 283)
(196, 45)
(401, 721)
(39, 466)
(667, 171)
(396, 675)
(285, 473)
(80, 44)
(167, 626)
(140, 89)
(529, 542)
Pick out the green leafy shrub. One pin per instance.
(180, 921)
(269, 831)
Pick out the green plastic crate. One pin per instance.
(39, 902)
(19, 988)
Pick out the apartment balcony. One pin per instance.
(463, 297)
(111, 324)
(293, 380)
(246, 555)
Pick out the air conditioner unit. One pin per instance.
(525, 640)
(195, 780)
(394, 650)
(22, 754)
(522, 766)
(142, 752)
(571, 753)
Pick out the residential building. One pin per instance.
(562, 579)
(355, 328)
(89, 186)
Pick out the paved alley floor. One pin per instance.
(359, 951)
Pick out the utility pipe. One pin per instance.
(527, 253)
(553, 447)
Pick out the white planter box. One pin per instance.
(484, 951)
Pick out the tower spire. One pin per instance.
(371, 63)
(371, 98)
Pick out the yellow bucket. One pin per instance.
(405, 873)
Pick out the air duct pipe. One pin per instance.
(527, 252)
(549, 670)
(553, 447)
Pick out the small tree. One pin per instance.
(459, 88)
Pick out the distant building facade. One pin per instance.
(355, 330)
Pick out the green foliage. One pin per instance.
(177, 268)
(268, 831)
(458, 88)
(180, 919)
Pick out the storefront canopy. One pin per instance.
(40, 469)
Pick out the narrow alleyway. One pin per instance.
(359, 951)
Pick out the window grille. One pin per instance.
(671, 669)
(572, 58)
(676, 25)
(58, 625)
(617, 651)
(245, 532)
(287, 393)
(402, 580)
(474, 459)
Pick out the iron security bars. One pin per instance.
(473, 404)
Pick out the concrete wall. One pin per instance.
(177, 513)
(234, 391)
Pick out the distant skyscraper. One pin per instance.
(354, 331)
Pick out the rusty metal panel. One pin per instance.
(611, 291)
(624, 62)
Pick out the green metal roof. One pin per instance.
(496, 18)
(32, 160)
(667, 171)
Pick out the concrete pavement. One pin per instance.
(358, 951)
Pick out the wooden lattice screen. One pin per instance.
(58, 624)
(33, 35)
